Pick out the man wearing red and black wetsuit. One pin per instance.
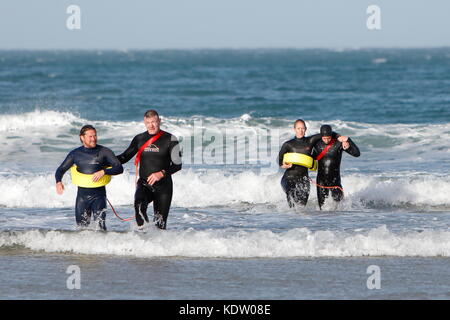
(158, 161)
(328, 152)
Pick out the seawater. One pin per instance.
(230, 232)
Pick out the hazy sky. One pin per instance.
(153, 24)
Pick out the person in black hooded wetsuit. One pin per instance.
(94, 159)
(295, 181)
(328, 172)
(158, 162)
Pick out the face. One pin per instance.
(300, 129)
(326, 139)
(89, 139)
(152, 124)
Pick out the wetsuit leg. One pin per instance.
(322, 194)
(142, 197)
(297, 190)
(160, 194)
(98, 208)
(337, 194)
(82, 210)
(91, 202)
(161, 205)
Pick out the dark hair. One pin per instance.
(151, 113)
(86, 128)
(299, 120)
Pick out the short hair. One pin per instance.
(151, 113)
(299, 120)
(86, 128)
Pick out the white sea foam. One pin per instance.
(37, 120)
(218, 188)
(379, 60)
(45, 133)
(231, 243)
(33, 145)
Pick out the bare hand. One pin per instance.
(345, 145)
(342, 138)
(286, 165)
(98, 175)
(59, 188)
(154, 177)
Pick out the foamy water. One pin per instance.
(236, 244)
(48, 135)
(217, 188)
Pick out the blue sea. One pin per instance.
(230, 232)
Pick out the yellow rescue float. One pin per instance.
(85, 180)
(301, 160)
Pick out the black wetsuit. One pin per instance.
(163, 154)
(295, 181)
(328, 172)
(90, 201)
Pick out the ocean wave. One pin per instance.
(193, 189)
(30, 124)
(298, 242)
(36, 120)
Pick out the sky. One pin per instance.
(191, 24)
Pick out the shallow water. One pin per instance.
(230, 232)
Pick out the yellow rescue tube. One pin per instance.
(301, 160)
(85, 180)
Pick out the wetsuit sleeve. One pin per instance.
(315, 152)
(314, 139)
(129, 153)
(111, 160)
(353, 149)
(175, 156)
(284, 149)
(65, 165)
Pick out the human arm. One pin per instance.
(175, 157)
(284, 149)
(59, 188)
(318, 137)
(129, 153)
(174, 162)
(112, 161)
(114, 167)
(65, 165)
(351, 148)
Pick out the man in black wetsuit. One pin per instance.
(295, 181)
(94, 159)
(328, 152)
(158, 156)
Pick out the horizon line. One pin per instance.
(343, 48)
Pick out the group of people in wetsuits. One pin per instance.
(327, 148)
(158, 156)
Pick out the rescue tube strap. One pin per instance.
(324, 187)
(117, 215)
(145, 145)
(324, 151)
